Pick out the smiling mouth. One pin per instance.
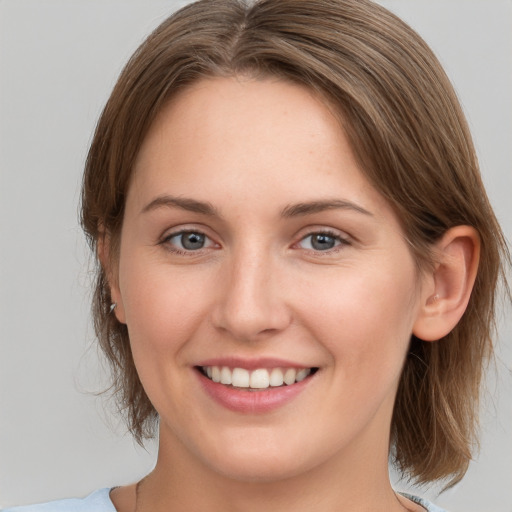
(258, 379)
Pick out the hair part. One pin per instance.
(410, 137)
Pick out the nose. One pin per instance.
(251, 301)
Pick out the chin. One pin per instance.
(259, 462)
(264, 470)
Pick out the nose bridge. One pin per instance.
(250, 301)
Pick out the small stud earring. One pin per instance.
(113, 306)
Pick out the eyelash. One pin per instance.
(184, 252)
(341, 242)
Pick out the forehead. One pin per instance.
(247, 137)
(225, 110)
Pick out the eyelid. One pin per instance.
(178, 229)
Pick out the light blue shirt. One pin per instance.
(99, 501)
(430, 507)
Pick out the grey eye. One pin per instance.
(320, 242)
(189, 241)
(192, 241)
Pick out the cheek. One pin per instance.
(365, 317)
(163, 305)
(164, 310)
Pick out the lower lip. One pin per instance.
(255, 402)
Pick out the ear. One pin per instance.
(446, 289)
(104, 251)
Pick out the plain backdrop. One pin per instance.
(58, 62)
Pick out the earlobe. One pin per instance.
(104, 255)
(450, 283)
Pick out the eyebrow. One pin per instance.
(320, 206)
(293, 210)
(184, 203)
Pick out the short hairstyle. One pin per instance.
(409, 135)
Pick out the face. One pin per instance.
(267, 288)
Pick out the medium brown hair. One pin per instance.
(409, 134)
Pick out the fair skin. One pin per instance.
(252, 240)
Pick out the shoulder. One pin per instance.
(429, 507)
(98, 501)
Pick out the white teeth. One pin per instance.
(240, 378)
(216, 374)
(260, 378)
(225, 375)
(289, 376)
(302, 374)
(276, 377)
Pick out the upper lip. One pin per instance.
(253, 363)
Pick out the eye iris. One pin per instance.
(322, 242)
(192, 241)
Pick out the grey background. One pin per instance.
(58, 62)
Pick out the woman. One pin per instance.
(298, 259)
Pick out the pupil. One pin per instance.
(192, 241)
(322, 242)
